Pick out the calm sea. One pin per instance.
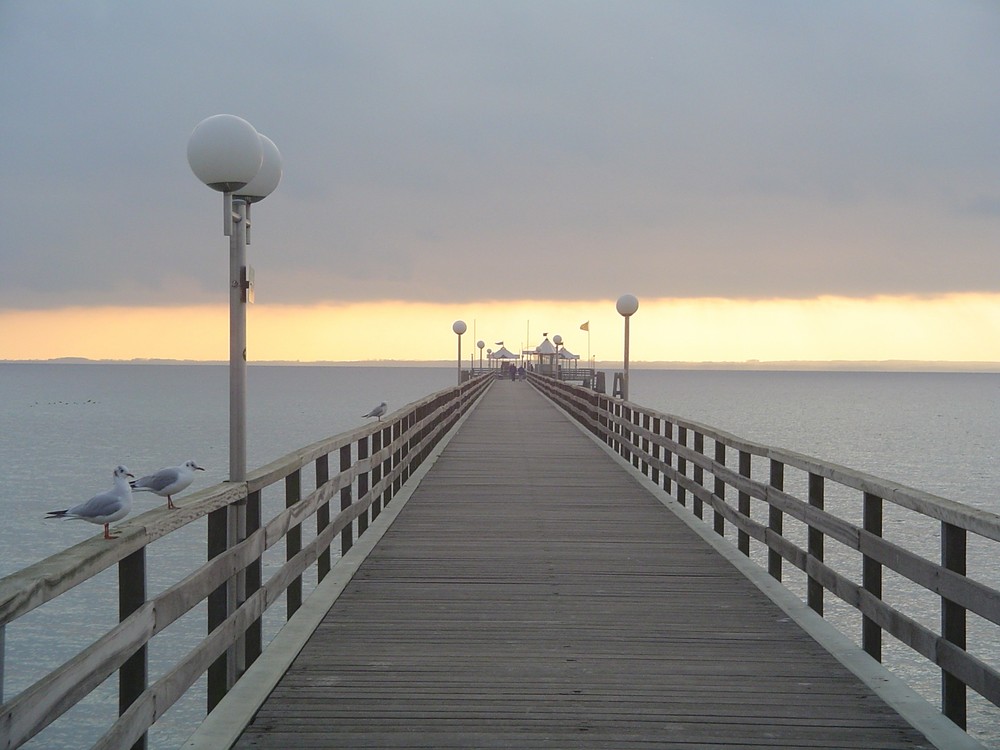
(66, 426)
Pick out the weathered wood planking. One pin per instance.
(532, 594)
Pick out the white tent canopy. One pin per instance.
(545, 348)
(565, 353)
(503, 353)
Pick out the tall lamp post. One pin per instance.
(229, 155)
(459, 328)
(557, 340)
(627, 305)
(480, 344)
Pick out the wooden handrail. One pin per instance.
(671, 448)
(401, 441)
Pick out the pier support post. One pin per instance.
(775, 519)
(322, 515)
(814, 589)
(742, 537)
(133, 675)
(871, 576)
(953, 623)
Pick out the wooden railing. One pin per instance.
(752, 490)
(370, 466)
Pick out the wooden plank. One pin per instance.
(532, 594)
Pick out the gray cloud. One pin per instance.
(443, 150)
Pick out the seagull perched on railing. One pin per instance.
(168, 482)
(378, 411)
(104, 508)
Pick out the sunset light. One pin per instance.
(958, 327)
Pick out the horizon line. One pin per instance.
(887, 365)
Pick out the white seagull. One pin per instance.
(378, 411)
(169, 481)
(104, 508)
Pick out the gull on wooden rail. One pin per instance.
(378, 411)
(104, 508)
(168, 482)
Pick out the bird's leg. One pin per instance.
(170, 503)
(107, 535)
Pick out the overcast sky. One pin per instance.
(444, 151)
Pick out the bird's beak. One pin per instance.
(199, 468)
(130, 475)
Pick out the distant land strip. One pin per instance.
(890, 365)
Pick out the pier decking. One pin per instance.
(532, 593)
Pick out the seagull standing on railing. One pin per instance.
(168, 482)
(378, 411)
(104, 508)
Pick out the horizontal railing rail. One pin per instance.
(370, 465)
(714, 469)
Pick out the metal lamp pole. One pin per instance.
(459, 328)
(229, 155)
(627, 305)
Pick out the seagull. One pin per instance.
(168, 482)
(378, 411)
(104, 508)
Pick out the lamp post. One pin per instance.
(229, 155)
(480, 344)
(459, 328)
(557, 340)
(627, 305)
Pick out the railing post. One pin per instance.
(133, 674)
(743, 498)
(655, 473)
(645, 445)
(362, 485)
(719, 520)
(254, 641)
(953, 623)
(668, 456)
(376, 506)
(775, 519)
(387, 463)
(871, 576)
(404, 447)
(682, 436)
(814, 589)
(218, 672)
(293, 542)
(322, 516)
(699, 474)
(397, 456)
(634, 449)
(347, 535)
(620, 428)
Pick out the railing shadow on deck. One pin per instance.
(370, 465)
(715, 470)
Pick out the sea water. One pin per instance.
(64, 427)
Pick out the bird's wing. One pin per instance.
(158, 481)
(100, 505)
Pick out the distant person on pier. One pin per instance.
(513, 372)
(521, 374)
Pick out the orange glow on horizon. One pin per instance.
(956, 327)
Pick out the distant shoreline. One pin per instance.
(751, 365)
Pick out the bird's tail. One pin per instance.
(57, 514)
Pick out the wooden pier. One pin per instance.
(531, 564)
(532, 594)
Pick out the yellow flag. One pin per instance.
(585, 326)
